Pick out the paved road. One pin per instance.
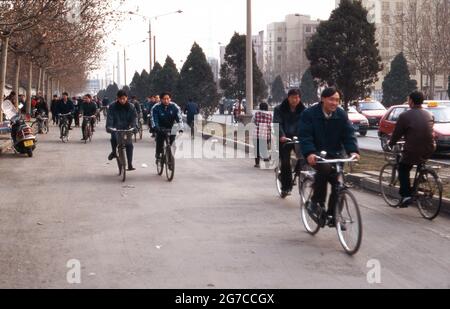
(219, 224)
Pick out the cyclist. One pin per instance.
(88, 109)
(121, 116)
(326, 127)
(287, 116)
(65, 106)
(163, 117)
(416, 126)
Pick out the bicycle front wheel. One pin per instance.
(390, 185)
(123, 164)
(160, 165)
(64, 133)
(278, 182)
(170, 165)
(306, 191)
(348, 222)
(429, 194)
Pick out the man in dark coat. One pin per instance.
(416, 126)
(65, 106)
(287, 116)
(326, 127)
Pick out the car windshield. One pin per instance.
(352, 110)
(372, 106)
(441, 115)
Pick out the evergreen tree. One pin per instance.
(167, 79)
(308, 88)
(111, 92)
(233, 72)
(344, 53)
(151, 85)
(197, 82)
(397, 84)
(278, 91)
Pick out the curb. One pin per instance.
(367, 183)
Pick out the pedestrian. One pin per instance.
(191, 110)
(262, 133)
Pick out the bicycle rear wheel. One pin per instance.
(45, 128)
(390, 185)
(429, 194)
(170, 164)
(306, 192)
(348, 222)
(278, 182)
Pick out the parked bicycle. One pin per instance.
(167, 160)
(40, 125)
(88, 128)
(427, 186)
(64, 127)
(140, 127)
(123, 136)
(347, 216)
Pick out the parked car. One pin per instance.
(441, 127)
(372, 110)
(359, 121)
(438, 102)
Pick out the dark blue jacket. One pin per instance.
(191, 110)
(121, 117)
(288, 121)
(332, 135)
(65, 108)
(164, 117)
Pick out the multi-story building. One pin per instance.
(214, 64)
(258, 46)
(285, 48)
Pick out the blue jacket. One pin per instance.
(332, 135)
(191, 110)
(121, 117)
(164, 117)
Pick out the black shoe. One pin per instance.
(317, 213)
(406, 202)
(257, 166)
(112, 156)
(70, 129)
(131, 168)
(83, 139)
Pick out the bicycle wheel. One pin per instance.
(390, 185)
(306, 192)
(35, 127)
(90, 133)
(348, 222)
(278, 182)
(141, 132)
(64, 133)
(170, 164)
(123, 164)
(86, 134)
(160, 165)
(46, 127)
(429, 194)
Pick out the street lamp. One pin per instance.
(125, 56)
(249, 61)
(149, 18)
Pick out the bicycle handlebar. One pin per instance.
(121, 131)
(64, 115)
(335, 161)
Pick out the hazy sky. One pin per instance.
(208, 22)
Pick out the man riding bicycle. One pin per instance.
(416, 126)
(65, 106)
(163, 117)
(121, 116)
(287, 116)
(326, 127)
(88, 109)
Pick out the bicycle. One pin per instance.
(427, 186)
(98, 116)
(40, 125)
(347, 216)
(88, 129)
(296, 169)
(64, 127)
(167, 160)
(123, 136)
(140, 128)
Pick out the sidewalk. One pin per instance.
(5, 143)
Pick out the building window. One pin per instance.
(308, 29)
(279, 58)
(279, 39)
(386, 6)
(385, 44)
(386, 31)
(386, 19)
(399, 7)
(279, 48)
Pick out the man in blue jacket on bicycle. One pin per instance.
(163, 117)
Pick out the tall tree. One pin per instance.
(167, 78)
(277, 90)
(151, 82)
(233, 72)
(136, 85)
(197, 82)
(448, 87)
(111, 91)
(397, 84)
(344, 52)
(308, 88)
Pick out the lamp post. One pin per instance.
(249, 61)
(149, 18)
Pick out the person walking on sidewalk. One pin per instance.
(262, 133)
